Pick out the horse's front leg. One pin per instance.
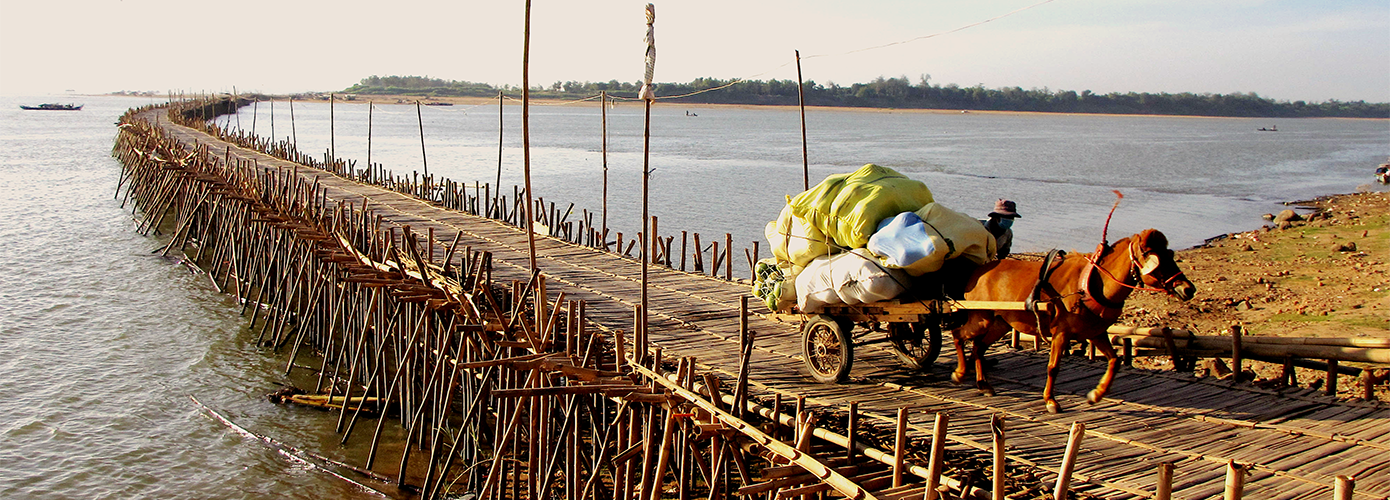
(1054, 360)
(1102, 343)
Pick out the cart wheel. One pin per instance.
(826, 348)
(915, 344)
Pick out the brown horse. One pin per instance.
(1084, 295)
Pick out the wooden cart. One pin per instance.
(913, 331)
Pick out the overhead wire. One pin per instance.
(737, 81)
(865, 49)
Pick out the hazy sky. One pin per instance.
(1287, 50)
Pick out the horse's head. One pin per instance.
(1156, 267)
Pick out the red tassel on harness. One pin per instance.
(1104, 240)
(1098, 305)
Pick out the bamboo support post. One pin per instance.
(1078, 431)
(1344, 488)
(1331, 384)
(1163, 489)
(1235, 351)
(900, 447)
(1235, 480)
(851, 429)
(996, 427)
(938, 451)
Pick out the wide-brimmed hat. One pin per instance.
(1005, 208)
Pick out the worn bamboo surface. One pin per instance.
(1294, 443)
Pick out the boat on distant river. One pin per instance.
(53, 107)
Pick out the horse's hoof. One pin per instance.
(1053, 408)
(986, 389)
(957, 377)
(1094, 396)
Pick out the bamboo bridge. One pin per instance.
(519, 385)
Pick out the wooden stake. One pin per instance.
(996, 427)
(1235, 480)
(900, 447)
(497, 203)
(801, 103)
(1078, 431)
(603, 107)
(1332, 377)
(938, 451)
(526, 137)
(1235, 352)
(1163, 490)
(1344, 488)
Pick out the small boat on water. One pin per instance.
(1383, 173)
(53, 107)
(439, 103)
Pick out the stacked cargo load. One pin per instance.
(861, 237)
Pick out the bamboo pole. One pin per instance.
(603, 112)
(1163, 490)
(996, 427)
(900, 448)
(424, 160)
(294, 136)
(1235, 351)
(801, 104)
(1235, 480)
(1078, 431)
(851, 429)
(938, 452)
(332, 133)
(1331, 385)
(648, 97)
(526, 137)
(1344, 488)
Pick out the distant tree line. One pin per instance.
(900, 93)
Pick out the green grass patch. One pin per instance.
(1366, 322)
(1295, 317)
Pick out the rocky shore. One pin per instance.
(1324, 272)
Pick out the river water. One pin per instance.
(728, 169)
(105, 342)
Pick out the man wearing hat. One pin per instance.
(999, 223)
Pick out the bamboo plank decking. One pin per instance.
(1294, 444)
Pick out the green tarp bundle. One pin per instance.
(848, 207)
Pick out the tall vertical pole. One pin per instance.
(648, 96)
(526, 135)
(424, 161)
(294, 137)
(801, 101)
(255, 109)
(272, 121)
(369, 135)
(603, 105)
(332, 140)
(236, 110)
(497, 202)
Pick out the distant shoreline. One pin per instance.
(384, 99)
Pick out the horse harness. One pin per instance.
(1102, 307)
(1050, 262)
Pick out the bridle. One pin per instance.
(1104, 307)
